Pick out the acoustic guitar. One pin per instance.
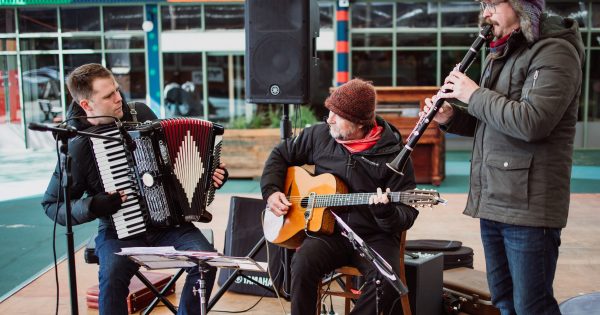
(313, 196)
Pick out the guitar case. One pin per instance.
(455, 255)
(466, 290)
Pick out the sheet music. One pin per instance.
(168, 257)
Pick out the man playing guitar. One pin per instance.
(354, 146)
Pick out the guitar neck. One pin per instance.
(337, 200)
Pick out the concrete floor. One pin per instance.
(578, 269)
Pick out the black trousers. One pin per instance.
(322, 254)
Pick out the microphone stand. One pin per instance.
(64, 134)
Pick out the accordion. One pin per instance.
(167, 177)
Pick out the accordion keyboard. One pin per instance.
(117, 175)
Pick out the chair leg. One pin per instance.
(159, 295)
(347, 300)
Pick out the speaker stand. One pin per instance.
(286, 133)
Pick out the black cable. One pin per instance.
(394, 304)
(54, 227)
(243, 311)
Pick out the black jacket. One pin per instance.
(86, 181)
(362, 172)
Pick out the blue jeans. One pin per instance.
(520, 263)
(116, 271)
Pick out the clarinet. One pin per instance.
(398, 164)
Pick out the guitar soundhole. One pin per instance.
(304, 202)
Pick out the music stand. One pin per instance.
(167, 258)
(375, 259)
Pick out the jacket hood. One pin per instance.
(82, 123)
(564, 28)
(389, 139)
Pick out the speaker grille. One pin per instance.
(278, 51)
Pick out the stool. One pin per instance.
(91, 258)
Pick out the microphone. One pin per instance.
(127, 140)
(68, 131)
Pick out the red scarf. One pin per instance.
(359, 145)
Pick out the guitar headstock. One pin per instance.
(422, 197)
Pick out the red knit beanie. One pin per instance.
(354, 101)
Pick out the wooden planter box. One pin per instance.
(246, 150)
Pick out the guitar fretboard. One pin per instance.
(336, 200)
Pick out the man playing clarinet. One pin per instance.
(522, 116)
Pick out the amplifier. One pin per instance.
(424, 277)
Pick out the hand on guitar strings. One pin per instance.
(278, 203)
(378, 204)
(380, 197)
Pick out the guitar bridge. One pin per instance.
(308, 213)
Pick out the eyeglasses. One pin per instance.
(490, 6)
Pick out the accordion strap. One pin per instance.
(133, 111)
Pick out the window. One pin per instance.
(80, 19)
(416, 14)
(10, 107)
(41, 87)
(182, 73)
(181, 17)
(415, 68)
(372, 15)
(577, 10)
(460, 14)
(7, 21)
(123, 18)
(37, 20)
(130, 72)
(326, 15)
(373, 65)
(229, 16)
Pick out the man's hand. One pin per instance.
(443, 115)
(220, 176)
(460, 85)
(379, 204)
(380, 197)
(105, 204)
(278, 204)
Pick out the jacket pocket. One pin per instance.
(507, 178)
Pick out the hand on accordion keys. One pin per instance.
(105, 204)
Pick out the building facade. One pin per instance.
(187, 58)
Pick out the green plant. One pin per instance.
(300, 118)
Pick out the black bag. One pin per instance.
(244, 231)
(455, 255)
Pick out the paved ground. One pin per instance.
(26, 234)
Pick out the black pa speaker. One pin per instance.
(243, 232)
(281, 55)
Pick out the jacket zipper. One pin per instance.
(535, 77)
(369, 161)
